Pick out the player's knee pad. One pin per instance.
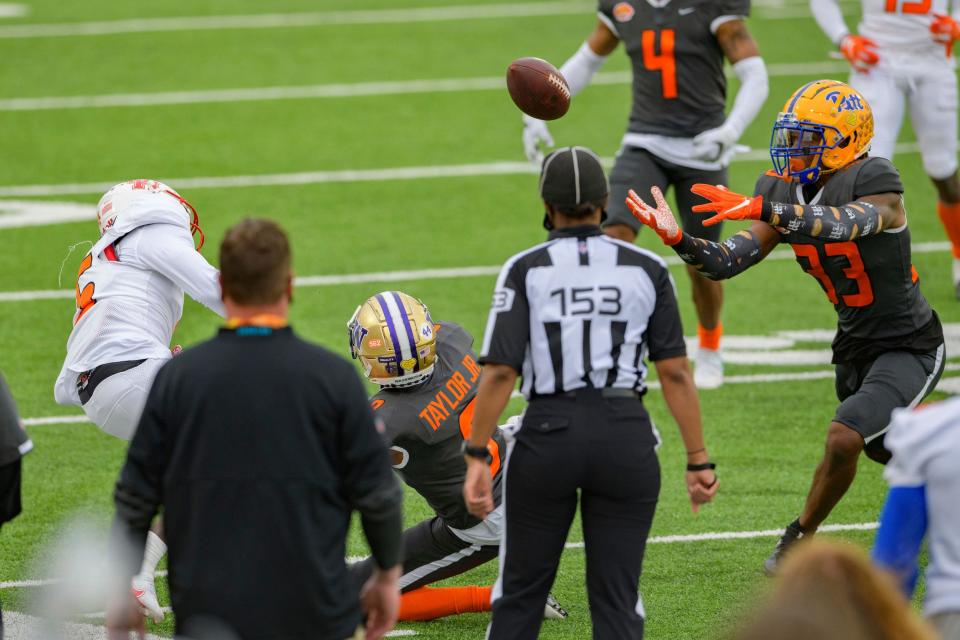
(940, 164)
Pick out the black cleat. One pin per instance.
(789, 538)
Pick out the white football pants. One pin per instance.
(117, 402)
(929, 87)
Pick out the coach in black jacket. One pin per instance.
(259, 446)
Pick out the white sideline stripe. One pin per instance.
(402, 276)
(12, 10)
(15, 214)
(302, 19)
(22, 626)
(441, 85)
(670, 539)
(741, 535)
(345, 175)
(337, 18)
(819, 374)
(45, 581)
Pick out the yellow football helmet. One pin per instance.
(394, 338)
(824, 126)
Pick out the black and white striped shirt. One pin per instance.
(582, 310)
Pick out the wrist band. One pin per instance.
(700, 450)
(706, 466)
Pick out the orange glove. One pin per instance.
(726, 204)
(945, 30)
(660, 219)
(859, 51)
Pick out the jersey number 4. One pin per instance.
(856, 271)
(921, 7)
(664, 62)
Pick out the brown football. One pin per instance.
(537, 88)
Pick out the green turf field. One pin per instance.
(371, 175)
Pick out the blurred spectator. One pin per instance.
(259, 445)
(14, 444)
(830, 591)
(923, 502)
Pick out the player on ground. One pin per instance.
(129, 299)
(842, 214)
(677, 134)
(904, 52)
(427, 373)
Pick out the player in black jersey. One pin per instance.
(842, 213)
(428, 373)
(677, 134)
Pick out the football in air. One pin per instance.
(537, 88)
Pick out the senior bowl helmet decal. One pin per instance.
(394, 338)
(825, 126)
(134, 198)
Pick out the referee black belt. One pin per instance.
(588, 392)
(88, 381)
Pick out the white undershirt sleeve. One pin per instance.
(828, 15)
(579, 69)
(169, 250)
(754, 87)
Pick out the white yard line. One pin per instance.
(498, 168)
(15, 214)
(304, 19)
(793, 376)
(341, 18)
(345, 90)
(742, 535)
(403, 276)
(13, 10)
(668, 539)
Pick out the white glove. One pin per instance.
(535, 132)
(713, 144)
(511, 427)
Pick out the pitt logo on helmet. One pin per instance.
(392, 335)
(825, 126)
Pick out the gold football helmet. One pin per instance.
(393, 336)
(824, 126)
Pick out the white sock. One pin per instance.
(152, 554)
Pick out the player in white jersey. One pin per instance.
(129, 299)
(903, 56)
(924, 486)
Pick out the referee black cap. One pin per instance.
(572, 176)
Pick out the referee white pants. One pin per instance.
(117, 402)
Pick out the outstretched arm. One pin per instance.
(714, 260)
(866, 216)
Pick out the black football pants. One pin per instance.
(605, 448)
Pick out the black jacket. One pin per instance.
(259, 446)
(13, 439)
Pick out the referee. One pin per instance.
(575, 317)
